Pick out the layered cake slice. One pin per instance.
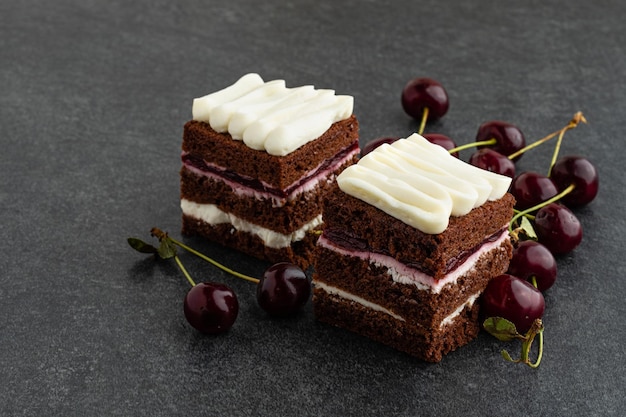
(258, 158)
(411, 238)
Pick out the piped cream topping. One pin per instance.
(269, 116)
(420, 183)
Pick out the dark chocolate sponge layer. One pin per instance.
(423, 307)
(427, 344)
(433, 253)
(202, 141)
(300, 253)
(286, 219)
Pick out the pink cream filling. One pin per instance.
(406, 275)
(313, 179)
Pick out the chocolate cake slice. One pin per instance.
(411, 238)
(258, 158)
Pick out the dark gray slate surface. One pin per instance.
(93, 98)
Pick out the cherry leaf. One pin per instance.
(166, 249)
(528, 229)
(501, 328)
(141, 246)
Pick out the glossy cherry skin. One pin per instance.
(509, 138)
(441, 140)
(514, 299)
(375, 143)
(421, 93)
(558, 229)
(533, 260)
(490, 160)
(283, 290)
(211, 307)
(580, 172)
(531, 188)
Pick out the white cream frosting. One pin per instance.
(269, 116)
(403, 274)
(211, 214)
(420, 183)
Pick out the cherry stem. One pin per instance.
(423, 122)
(162, 235)
(557, 197)
(185, 273)
(527, 341)
(578, 118)
(489, 142)
(528, 216)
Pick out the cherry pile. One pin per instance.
(213, 307)
(544, 225)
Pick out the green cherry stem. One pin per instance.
(423, 122)
(162, 235)
(527, 341)
(489, 142)
(185, 273)
(578, 118)
(557, 197)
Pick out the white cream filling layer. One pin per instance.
(403, 274)
(377, 307)
(212, 215)
(349, 296)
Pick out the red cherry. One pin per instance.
(211, 307)
(375, 143)
(531, 188)
(558, 228)
(283, 290)
(533, 260)
(490, 160)
(580, 172)
(514, 299)
(509, 138)
(421, 93)
(441, 140)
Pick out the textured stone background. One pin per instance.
(93, 98)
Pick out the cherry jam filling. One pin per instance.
(255, 184)
(351, 242)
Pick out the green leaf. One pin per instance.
(167, 249)
(528, 229)
(507, 356)
(501, 328)
(141, 246)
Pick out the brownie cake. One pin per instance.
(258, 158)
(411, 238)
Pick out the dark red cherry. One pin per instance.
(211, 307)
(487, 158)
(580, 172)
(509, 138)
(533, 260)
(558, 229)
(375, 143)
(514, 299)
(531, 188)
(421, 93)
(283, 290)
(441, 140)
